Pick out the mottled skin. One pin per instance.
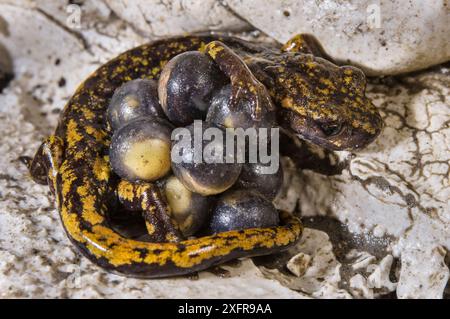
(310, 94)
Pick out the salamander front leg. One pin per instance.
(147, 198)
(45, 164)
(244, 84)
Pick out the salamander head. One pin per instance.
(324, 103)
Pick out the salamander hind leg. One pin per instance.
(147, 198)
(47, 160)
(307, 44)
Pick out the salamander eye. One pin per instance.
(330, 128)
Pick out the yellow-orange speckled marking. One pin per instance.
(308, 91)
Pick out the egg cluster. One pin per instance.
(209, 197)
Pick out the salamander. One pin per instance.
(314, 99)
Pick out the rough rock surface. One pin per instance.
(6, 71)
(381, 227)
(165, 18)
(382, 37)
(398, 188)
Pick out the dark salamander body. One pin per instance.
(314, 98)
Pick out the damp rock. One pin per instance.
(169, 18)
(6, 70)
(382, 37)
(298, 264)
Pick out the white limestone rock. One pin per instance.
(37, 259)
(432, 278)
(383, 36)
(165, 18)
(397, 189)
(321, 276)
(400, 185)
(372, 280)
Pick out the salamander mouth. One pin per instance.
(354, 142)
(331, 135)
